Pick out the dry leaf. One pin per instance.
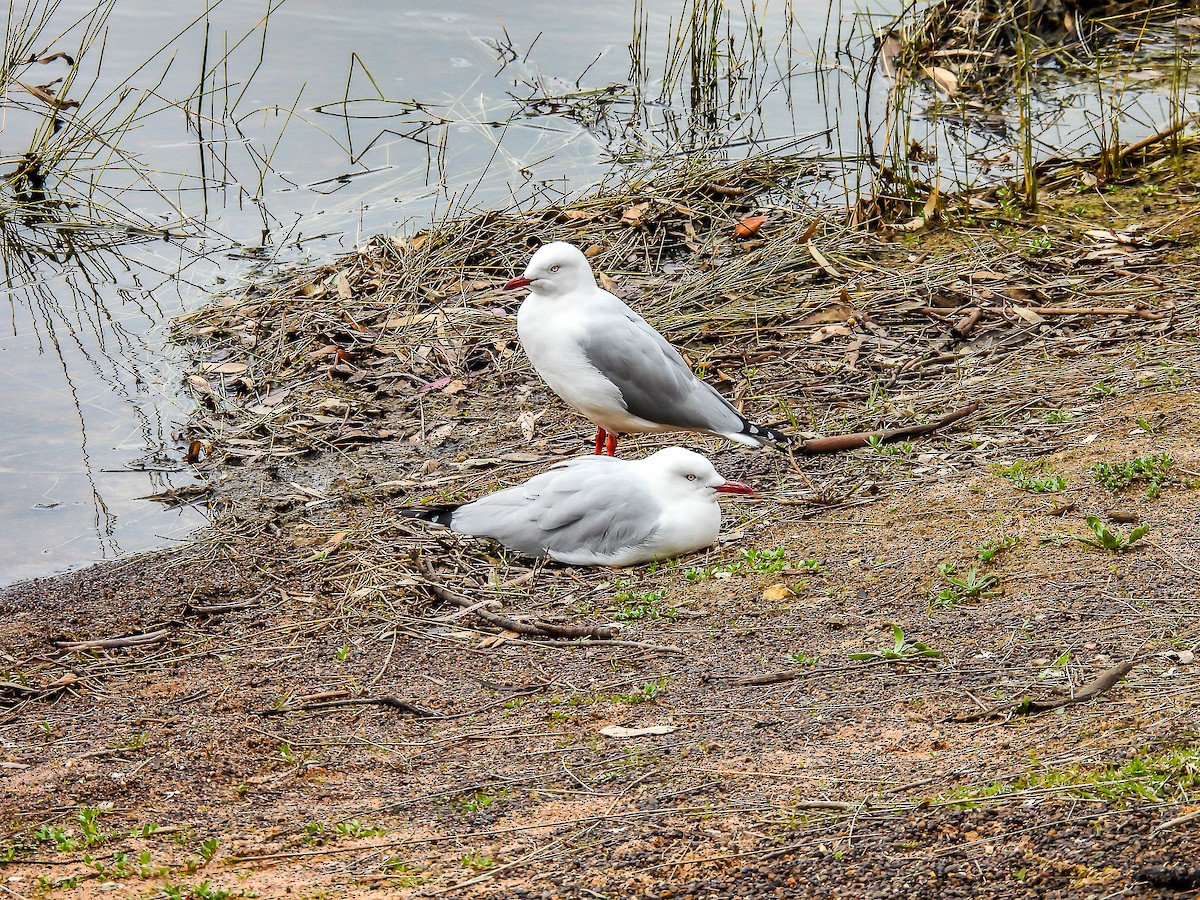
(931, 205)
(1028, 315)
(454, 387)
(200, 384)
(777, 592)
(888, 51)
(825, 332)
(810, 230)
(821, 261)
(748, 227)
(620, 731)
(946, 80)
(635, 214)
(275, 397)
(606, 282)
(835, 312)
(343, 286)
(526, 421)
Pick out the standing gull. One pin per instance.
(608, 363)
(599, 511)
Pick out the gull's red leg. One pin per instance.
(612, 443)
(601, 434)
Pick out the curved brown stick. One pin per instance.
(842, 442)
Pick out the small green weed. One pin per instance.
(1024, 477)
(355, 828)
(902, 649)
(1110, 539)
(895, 448)
(1147, 777)
(1057, 416)
(1154, 470)
(752, 560)
(971, 586)
(989, 550)
(803, 659)
(479, 799)
(404, 873)
(633, 607)
(1039, 245)
(644, 694)
(205, 890)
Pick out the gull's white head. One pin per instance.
(686, 472)
(556, 270)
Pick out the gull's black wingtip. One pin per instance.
(439, 515)
(767, 435)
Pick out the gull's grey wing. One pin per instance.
(654, 381)
(582, 510)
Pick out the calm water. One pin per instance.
(306, 142)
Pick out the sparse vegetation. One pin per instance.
(752, 560)
(989, 550)
(1028, 476)
(970, 586)
(902, 648)
(1110, 539)
(1154, 471)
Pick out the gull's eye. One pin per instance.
(555, 268)
(691, 478)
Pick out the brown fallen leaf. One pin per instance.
(199, 384)
(748, 227)
(226, 368)
(834, 312)
(635, 213)
(777, 592)
(810, 230)
(825, 332)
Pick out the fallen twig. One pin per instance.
(842, 442)
(133, 640)
(1098, 311)
(390, 702)
(531, 629)
(1027, 707)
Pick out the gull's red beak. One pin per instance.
(734, 487)
(517, 283)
